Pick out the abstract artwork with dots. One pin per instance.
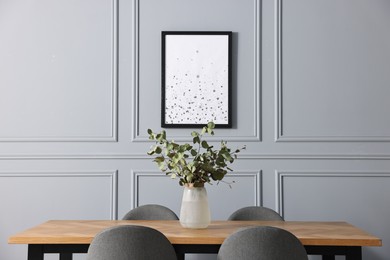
(196, 79)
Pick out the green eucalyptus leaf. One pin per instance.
(196, 140)
(189, 177)
(206, 164)
(211, 125)
(218, 175)
(227, 156)
(159, 159)
(161, 166)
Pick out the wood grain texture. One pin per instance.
(83, 231)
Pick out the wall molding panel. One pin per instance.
(113, 182)
(281, 175)
(137, 137)
(114, 98)
(280, 133)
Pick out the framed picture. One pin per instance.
(196, 79)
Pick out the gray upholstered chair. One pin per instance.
(153, 212)
(255, 213)
(262, 242)
(130, 242)
(150, 212)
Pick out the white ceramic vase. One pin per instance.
(195, 211)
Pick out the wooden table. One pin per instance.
(74, 236)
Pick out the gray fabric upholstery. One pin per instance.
(130, 243)
(268, 243)
(255, 213)
(151, 212)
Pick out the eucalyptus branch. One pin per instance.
(206, 164)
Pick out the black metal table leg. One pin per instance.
(66, 256)
(329, 252)
(354, 253)
(35, 252)
(66, 251)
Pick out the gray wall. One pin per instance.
(80, 84)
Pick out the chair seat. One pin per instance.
(263, 242)
(130, 242)
(255, 213)
(151, 212)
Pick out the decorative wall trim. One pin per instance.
(258, 182)
(281, 138)
(241, 157)
(135, 179)
(135, 72)
(114, 97)
(257, 175)
(280, 176)
(280, 135)
(257, 74)
(114, 70)
(137, 137)
(54, 174)
(278, 70)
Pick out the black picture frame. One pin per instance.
(196, 73)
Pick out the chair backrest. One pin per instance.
(255, 213)
(130, 242)
(151, 212)
(262, 242)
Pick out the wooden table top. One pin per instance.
(83, 231)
